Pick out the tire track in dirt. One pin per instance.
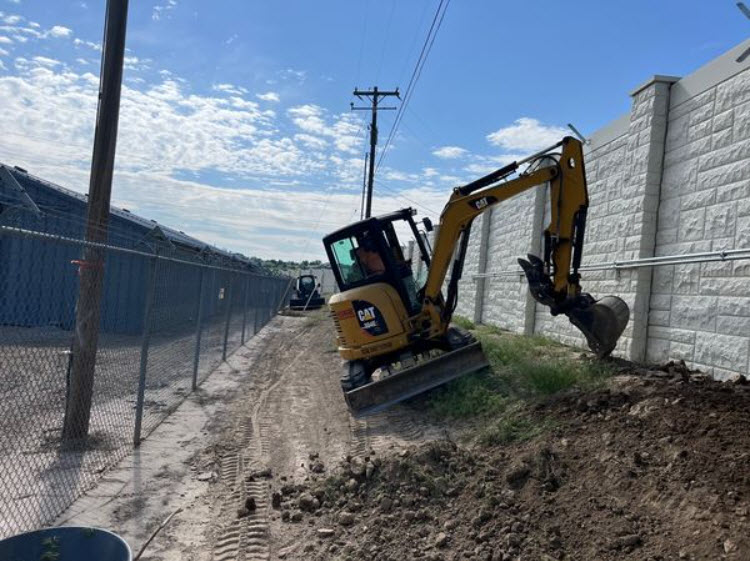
(245, 536)
(294, 418)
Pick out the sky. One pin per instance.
(235, 121)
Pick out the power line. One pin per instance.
(385, 40)
(364, 35)
(437, 21)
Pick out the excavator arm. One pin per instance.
(553, 279)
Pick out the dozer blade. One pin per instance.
(601, 322)
(377, 396)
(303, 304)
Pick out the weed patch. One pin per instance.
(522, 370)
(463, 322)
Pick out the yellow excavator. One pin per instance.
(396, 336)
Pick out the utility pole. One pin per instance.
(364, 189)
(91, 264)
(374, 95)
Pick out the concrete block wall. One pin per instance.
(701, 312)
(514, 226)
(671, 177)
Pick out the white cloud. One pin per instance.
(314, 142)
(5, 40)
(344, 131)
(229, 88)
(525, 135)
(60, 31)
(162, 9)
(430, 172)
(448, 152)
(45, 61)
(291, 74)
(176, 147)
(452, 179)
(12, 19)
(3, 52)
(90, 44)
(269, 96)
(2, 66)
(231, 39)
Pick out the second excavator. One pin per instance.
(395, 332)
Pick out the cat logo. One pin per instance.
(369, 317)
(479, 204)
(367, 314)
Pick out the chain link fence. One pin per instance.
(164, 324)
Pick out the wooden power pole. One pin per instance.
(91, 265)
(374, 95)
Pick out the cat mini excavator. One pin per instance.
(396, 336)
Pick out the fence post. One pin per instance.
(147, 310)
(198, 329)
(229, 296)
(244, 310)
(256, 301)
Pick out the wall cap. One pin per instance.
(653, 80)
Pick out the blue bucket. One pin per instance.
(67, 543)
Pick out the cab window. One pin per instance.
(345, 252)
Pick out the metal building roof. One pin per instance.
(150, 227)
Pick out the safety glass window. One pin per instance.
(345, 252)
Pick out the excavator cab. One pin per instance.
(369, 252)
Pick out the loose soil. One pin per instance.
(654, 465)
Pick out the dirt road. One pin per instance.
(286, 423)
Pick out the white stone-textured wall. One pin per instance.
(513, 225)
(467, 286)
(670, 178)
(701, 312)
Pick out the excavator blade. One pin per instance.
(377, 396)
(602, 323)
(306, 304)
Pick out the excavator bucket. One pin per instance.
(377, 396)
(601, 322)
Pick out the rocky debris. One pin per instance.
(326, 533)
(627, 542)
(276, 499)
(441, 540)
(308, 503)
(207, 476)
(587, 488)
(346, 518)
(265, 473)
(247, 507)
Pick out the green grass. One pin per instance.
(463, 322)
(522, 371)
(512, 427)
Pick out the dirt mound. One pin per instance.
(656, 467)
